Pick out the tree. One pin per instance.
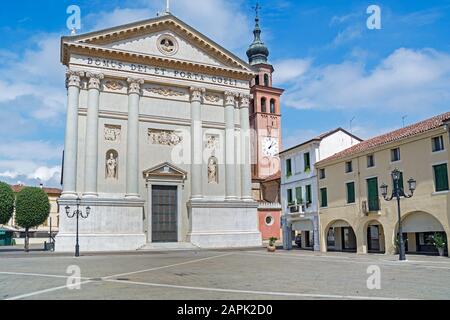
(6, 203)
(32, 210)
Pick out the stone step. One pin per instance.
(168, 246)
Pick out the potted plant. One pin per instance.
(439, 241)
(272, 247)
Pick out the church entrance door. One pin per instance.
(164, 214)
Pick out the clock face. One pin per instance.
(270, 147)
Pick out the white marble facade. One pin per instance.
(156, 104)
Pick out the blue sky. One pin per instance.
(332, 66)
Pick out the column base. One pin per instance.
(248, 199)
(69, 195)
(90, 195)
(133, 196)
(232, 198)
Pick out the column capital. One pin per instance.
(134, 85)
(94, 80)
(245, 100)
(197, 93)
(73, 78)
(230, 98)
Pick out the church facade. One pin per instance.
(158, 140)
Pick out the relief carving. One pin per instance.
(166, 92)
(112, 133)
(114, 85)
(212, 142)
(164, 137)
(212, 98)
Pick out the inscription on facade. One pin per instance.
(157, 71)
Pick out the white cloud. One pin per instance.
(290, 70)
(45, 174)
(407, 79)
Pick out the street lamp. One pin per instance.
(78, 213)
(398, 193)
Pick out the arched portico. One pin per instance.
(339, 235)
(374, 237)
(419, 227)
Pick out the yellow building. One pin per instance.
(353, 214)
(40, 234)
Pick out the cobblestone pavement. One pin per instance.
(227, 274)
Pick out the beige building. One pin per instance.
(40, 234)
(353, 214)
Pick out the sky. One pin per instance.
(332, 66)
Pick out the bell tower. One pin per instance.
(265, 111)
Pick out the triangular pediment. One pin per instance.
(164, 37)
(165, 170)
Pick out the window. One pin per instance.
(289, 197)
(370, 161)
(257, 80)
(266, 80)
(372, 195)
(272, 106)
(395, 155)
(438, 144)
(441, 177)
(308, 195)
(351, 198)
(323, 198)
(307, 161)
(289, 167)
(298, 195)
(263, 105)
(349, 167)
(322, 174)
(269, 221)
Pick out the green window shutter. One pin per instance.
(307, 161)
(289, 167)
(441, 177)
(373, 197)
(323, 197)
(308, 195)
(351, 192)
(289, 196)
(298, 195)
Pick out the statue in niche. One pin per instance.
(112, 164)
(213, 170)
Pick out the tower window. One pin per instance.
(257, 80)
(272, 106)
(263, 105)
(266, 80)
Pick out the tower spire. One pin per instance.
(257, 52)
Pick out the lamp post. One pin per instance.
(398, 193)
(78, 213)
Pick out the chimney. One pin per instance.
(41, 186)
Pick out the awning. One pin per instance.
(421, 222)
(303, 225)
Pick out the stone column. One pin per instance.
(230, 163)
(91, 160)
(196, 143)
(134, 97)
(73, 84)
(246, 171)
